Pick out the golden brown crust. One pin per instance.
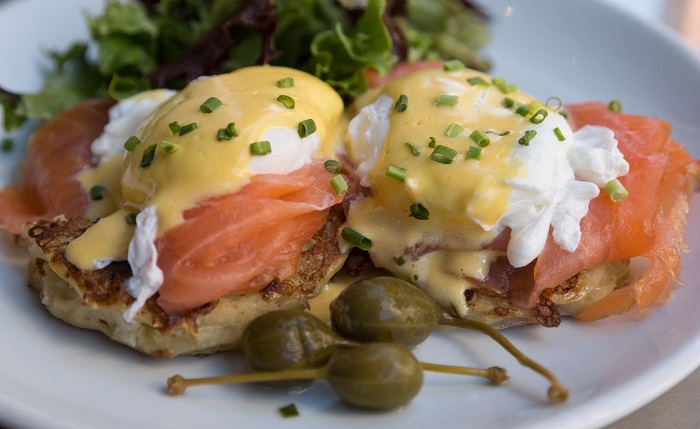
(567, 299)
(96, 300)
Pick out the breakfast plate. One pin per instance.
(57, 376)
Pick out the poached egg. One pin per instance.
(453, 159)
(181, 148)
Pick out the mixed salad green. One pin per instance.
(166, 43)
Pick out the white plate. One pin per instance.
(56, 376)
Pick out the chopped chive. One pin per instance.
(332, 166)
(564, 113)
(223, 134)
(446, 100)
(130, 218)
(174, 127)
(419, 211)
(287, 82)
(616, 191)
(356, 239)
(554, 103)
(287, 101)
(432, 142)
(413, 148)
(453, 65)
(559, 134)
(210, 105)
(339, 185)
(396, 173)
(525, 139)
(522, 110)
(474, 152)
(615, 106)
(169, 147)
(400, 260)
(148, 154)
(503, 86)
(539, 116)
(306, 128)
(7, 144)
(477, 80)
(500, 134)
(131, 143)
(260, 148)
(188, 128)
(231, 128)
(443, 154)
(453, 130)
(401, 103)
(480, 139)
(98, 192)
(289, 411)
(508, 102)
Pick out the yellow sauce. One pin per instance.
(465, 198)
(107, 175)
(108, 238)
(204, 166)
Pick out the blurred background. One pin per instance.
(683, 16)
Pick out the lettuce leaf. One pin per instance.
(438, 29)
(342, 57)
(165, 43)
(73, 79)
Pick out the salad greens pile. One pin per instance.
(166, 43)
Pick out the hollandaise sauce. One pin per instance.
(207, 140)
(451, 158)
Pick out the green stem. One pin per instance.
(557, 392)
(496, 375)
(178, 384)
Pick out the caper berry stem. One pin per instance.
(177, 384)
(556, 393)
(496, 375)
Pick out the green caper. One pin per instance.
(378, 376)
(288, 339)
(384, 309)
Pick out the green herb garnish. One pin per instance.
(289, 411)
(419, 211)
(356, 239)
(260, 148)
(401, 103)
(306, 128)
(210, 105)
(339, 185)
(396, 173)
(131, 143)
(97, 192)
(443, 154)
(332, 166)
(287, 82)
(287, 101)
(148, 154)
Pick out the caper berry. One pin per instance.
(288, 339)
(378, 376)
(385, 309)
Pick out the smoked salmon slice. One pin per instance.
(649, 223)
(239, 243)
(48, 184)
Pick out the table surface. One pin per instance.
(678, 407)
